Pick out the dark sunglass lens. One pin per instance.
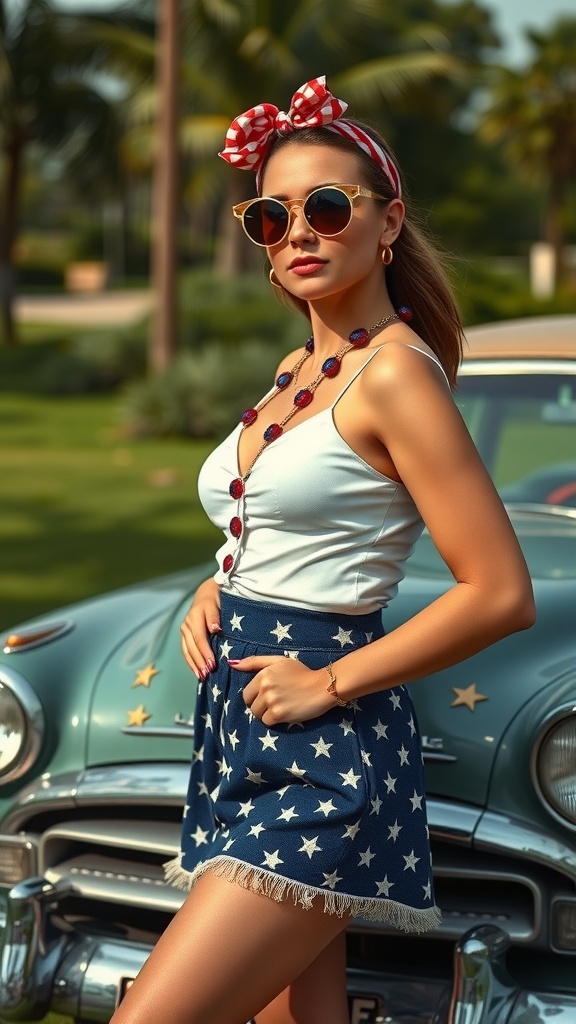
(266, 221)
(328, 211)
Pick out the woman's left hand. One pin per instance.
(284, 690)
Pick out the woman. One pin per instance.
(306, 800)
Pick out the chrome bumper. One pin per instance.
(43, 968)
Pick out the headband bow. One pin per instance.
(250, 134)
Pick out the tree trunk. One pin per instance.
(13, 153)
(554, 225)
(233, 253)
(164, 335)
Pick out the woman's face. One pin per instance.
(313, 267)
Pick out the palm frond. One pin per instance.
(389, 78)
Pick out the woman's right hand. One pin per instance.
(203, 619)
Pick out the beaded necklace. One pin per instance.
(330, 368)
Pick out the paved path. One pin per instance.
(98, 309)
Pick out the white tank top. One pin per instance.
(322, 528)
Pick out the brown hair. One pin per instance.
(417, 276)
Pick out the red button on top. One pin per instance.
(227, 563)
(235, 526)
(236, 488)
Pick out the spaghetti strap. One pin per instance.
(371, 356)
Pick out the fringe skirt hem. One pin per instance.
(278, 887)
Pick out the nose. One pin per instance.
(299, 226)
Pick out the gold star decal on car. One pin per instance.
(467, 698)
(144, 676)
(138, 716)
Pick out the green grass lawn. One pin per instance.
(82, 510)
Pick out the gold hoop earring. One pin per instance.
(387, 255)
(273, 279)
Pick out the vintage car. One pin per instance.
(95, 726)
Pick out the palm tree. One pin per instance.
(48, 98)
(533, 112)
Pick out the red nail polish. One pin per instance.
(233, 661)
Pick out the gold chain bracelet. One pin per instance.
(331, 688)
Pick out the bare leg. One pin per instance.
(226, 955)
(318, 995)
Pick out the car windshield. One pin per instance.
(524, 426)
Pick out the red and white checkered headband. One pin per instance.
(250, 134)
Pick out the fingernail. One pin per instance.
(233, 661)
(207, 668)
(212, 665)
(202, 674)
(215, 626)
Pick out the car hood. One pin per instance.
(144, 697)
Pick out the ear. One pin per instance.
(392, 223)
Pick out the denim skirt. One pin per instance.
(330, 810)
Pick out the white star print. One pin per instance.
(198, 755)
(411, 724)
(292, 654)
(324, 807)
(226, 706)
(395, 700)
(403, 755)
(416, 801)
(202, 789)
(216, 691)
(271, 860)
(321, 748)
(281, 632)
(384, 886)
(331, 880)
(199, 836)
(380, 730)
(283, 790)
(394, 831)
(233, 738)
(411, 861)
(369, 637)
(390, 783)
(208, 719)
(343, 636)
(255, 777)
(346, 726)
(186, 809)
(351, 831)
(349, 778)
(228, 844)
(366, 857)
(427, 891)
(310, 846)
(255, 830)
(235, 621)
(268, 741)
(215, 792)
(249, 714)
(365, 758)
(287, 814)
(376, 805)
(356, 705)
(225, 649)
(295, 770)
(223, 768)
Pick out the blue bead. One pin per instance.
(284, 379)
(310, 344)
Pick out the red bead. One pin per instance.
(405, 314)
(235, 526)
(249, 417)
(236, 488)
(272, 432)
(303, 398)
(331, 368)
(227, 563)
(359, 337)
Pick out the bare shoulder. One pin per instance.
(289, 360)
(402, 366)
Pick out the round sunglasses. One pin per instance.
(327, 211)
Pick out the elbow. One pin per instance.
(519, 609)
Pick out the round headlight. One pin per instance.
(21, 726)
(556, 764)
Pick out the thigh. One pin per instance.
(317, 995)
(227, 953)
